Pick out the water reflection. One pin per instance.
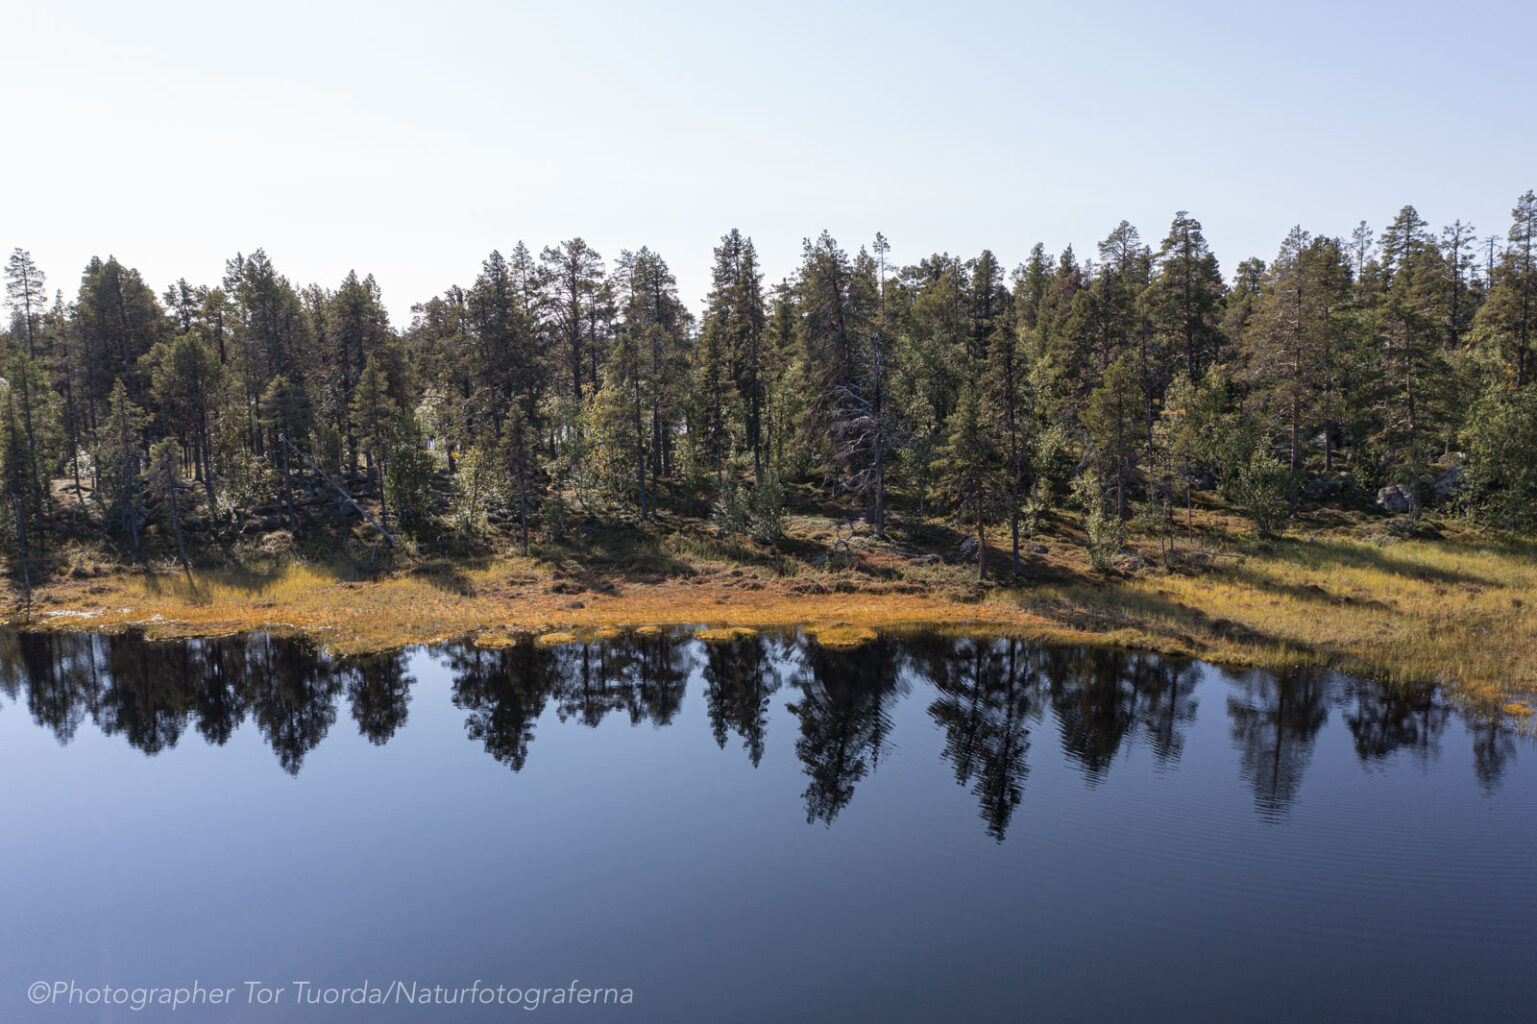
(1276, 719)
(740, 677)
(989, 695)
(843, 720)
(990, 699)
(1386, 720)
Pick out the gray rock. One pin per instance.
(1326, 487)
(1398, 498)
(1203, 480)
(1448, 484)
(968, 548)
(1036, 549)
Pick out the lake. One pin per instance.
(921, 828)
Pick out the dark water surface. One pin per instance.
(919, 829)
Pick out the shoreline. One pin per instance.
(1443, 612)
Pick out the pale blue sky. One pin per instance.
(408, 140)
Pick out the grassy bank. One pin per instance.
(1457, 610)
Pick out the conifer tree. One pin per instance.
(968, 471)
(1508, 320)
(119, 460)
(1184, 297)
(28, 299)
(1007, 407)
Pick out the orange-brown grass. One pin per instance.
(506, 599)
(1460, 612)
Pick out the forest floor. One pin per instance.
(1341, 589)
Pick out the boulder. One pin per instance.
(1202, 479)
(1324, 488)
(1448, 484)
(1036, 549)
(1397, 498)
(968, 548)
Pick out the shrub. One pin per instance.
(766, 510)
(1260, 490)
(1107, 534)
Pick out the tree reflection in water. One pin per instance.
(1386, 719)
(1276, 719)
(989, 696)
(844, 719)
(505, 691)
(740, 676)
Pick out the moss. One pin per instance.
(726, 634)
(841, 636)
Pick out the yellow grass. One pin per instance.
(726, 634)
(841, 636)
(1458, 612)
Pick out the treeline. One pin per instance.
(1397, 368)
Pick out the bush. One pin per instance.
(556, 517)
(732, 511)
(1260, 490)
(407, 487)
(1035, 508)
(766, 510)
(1107, 534)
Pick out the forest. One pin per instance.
(1387, 372)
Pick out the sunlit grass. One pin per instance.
(1459, 611)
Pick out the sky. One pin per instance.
(409, 140)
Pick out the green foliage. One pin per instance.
(766, 510)
(731, 512)
(119, 461)
(555, 516)
(473, 493)
(1260, 490)
(1105, 530)
(407, 482)
(1501, 437)
(556, 381)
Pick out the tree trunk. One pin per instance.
(981, 547)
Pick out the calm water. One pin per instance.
(921, 829)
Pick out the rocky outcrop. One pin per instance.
(1396, 499)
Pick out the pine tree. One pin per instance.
(355, 326)
(1407, 232)
(1507, 323)
(1184, 297)
(1291, 348)
(968, 471)
(16, 486)
(574, 277)
(1007, 407)
(185, 385)
(1114, 420)
(119, 320)
(1413, 318)
(119, 459)
(520, 462)
(650, 299)
(163, 486)
(28, 299)
(286, 418)
(862, 424)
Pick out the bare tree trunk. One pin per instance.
(981, 546)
